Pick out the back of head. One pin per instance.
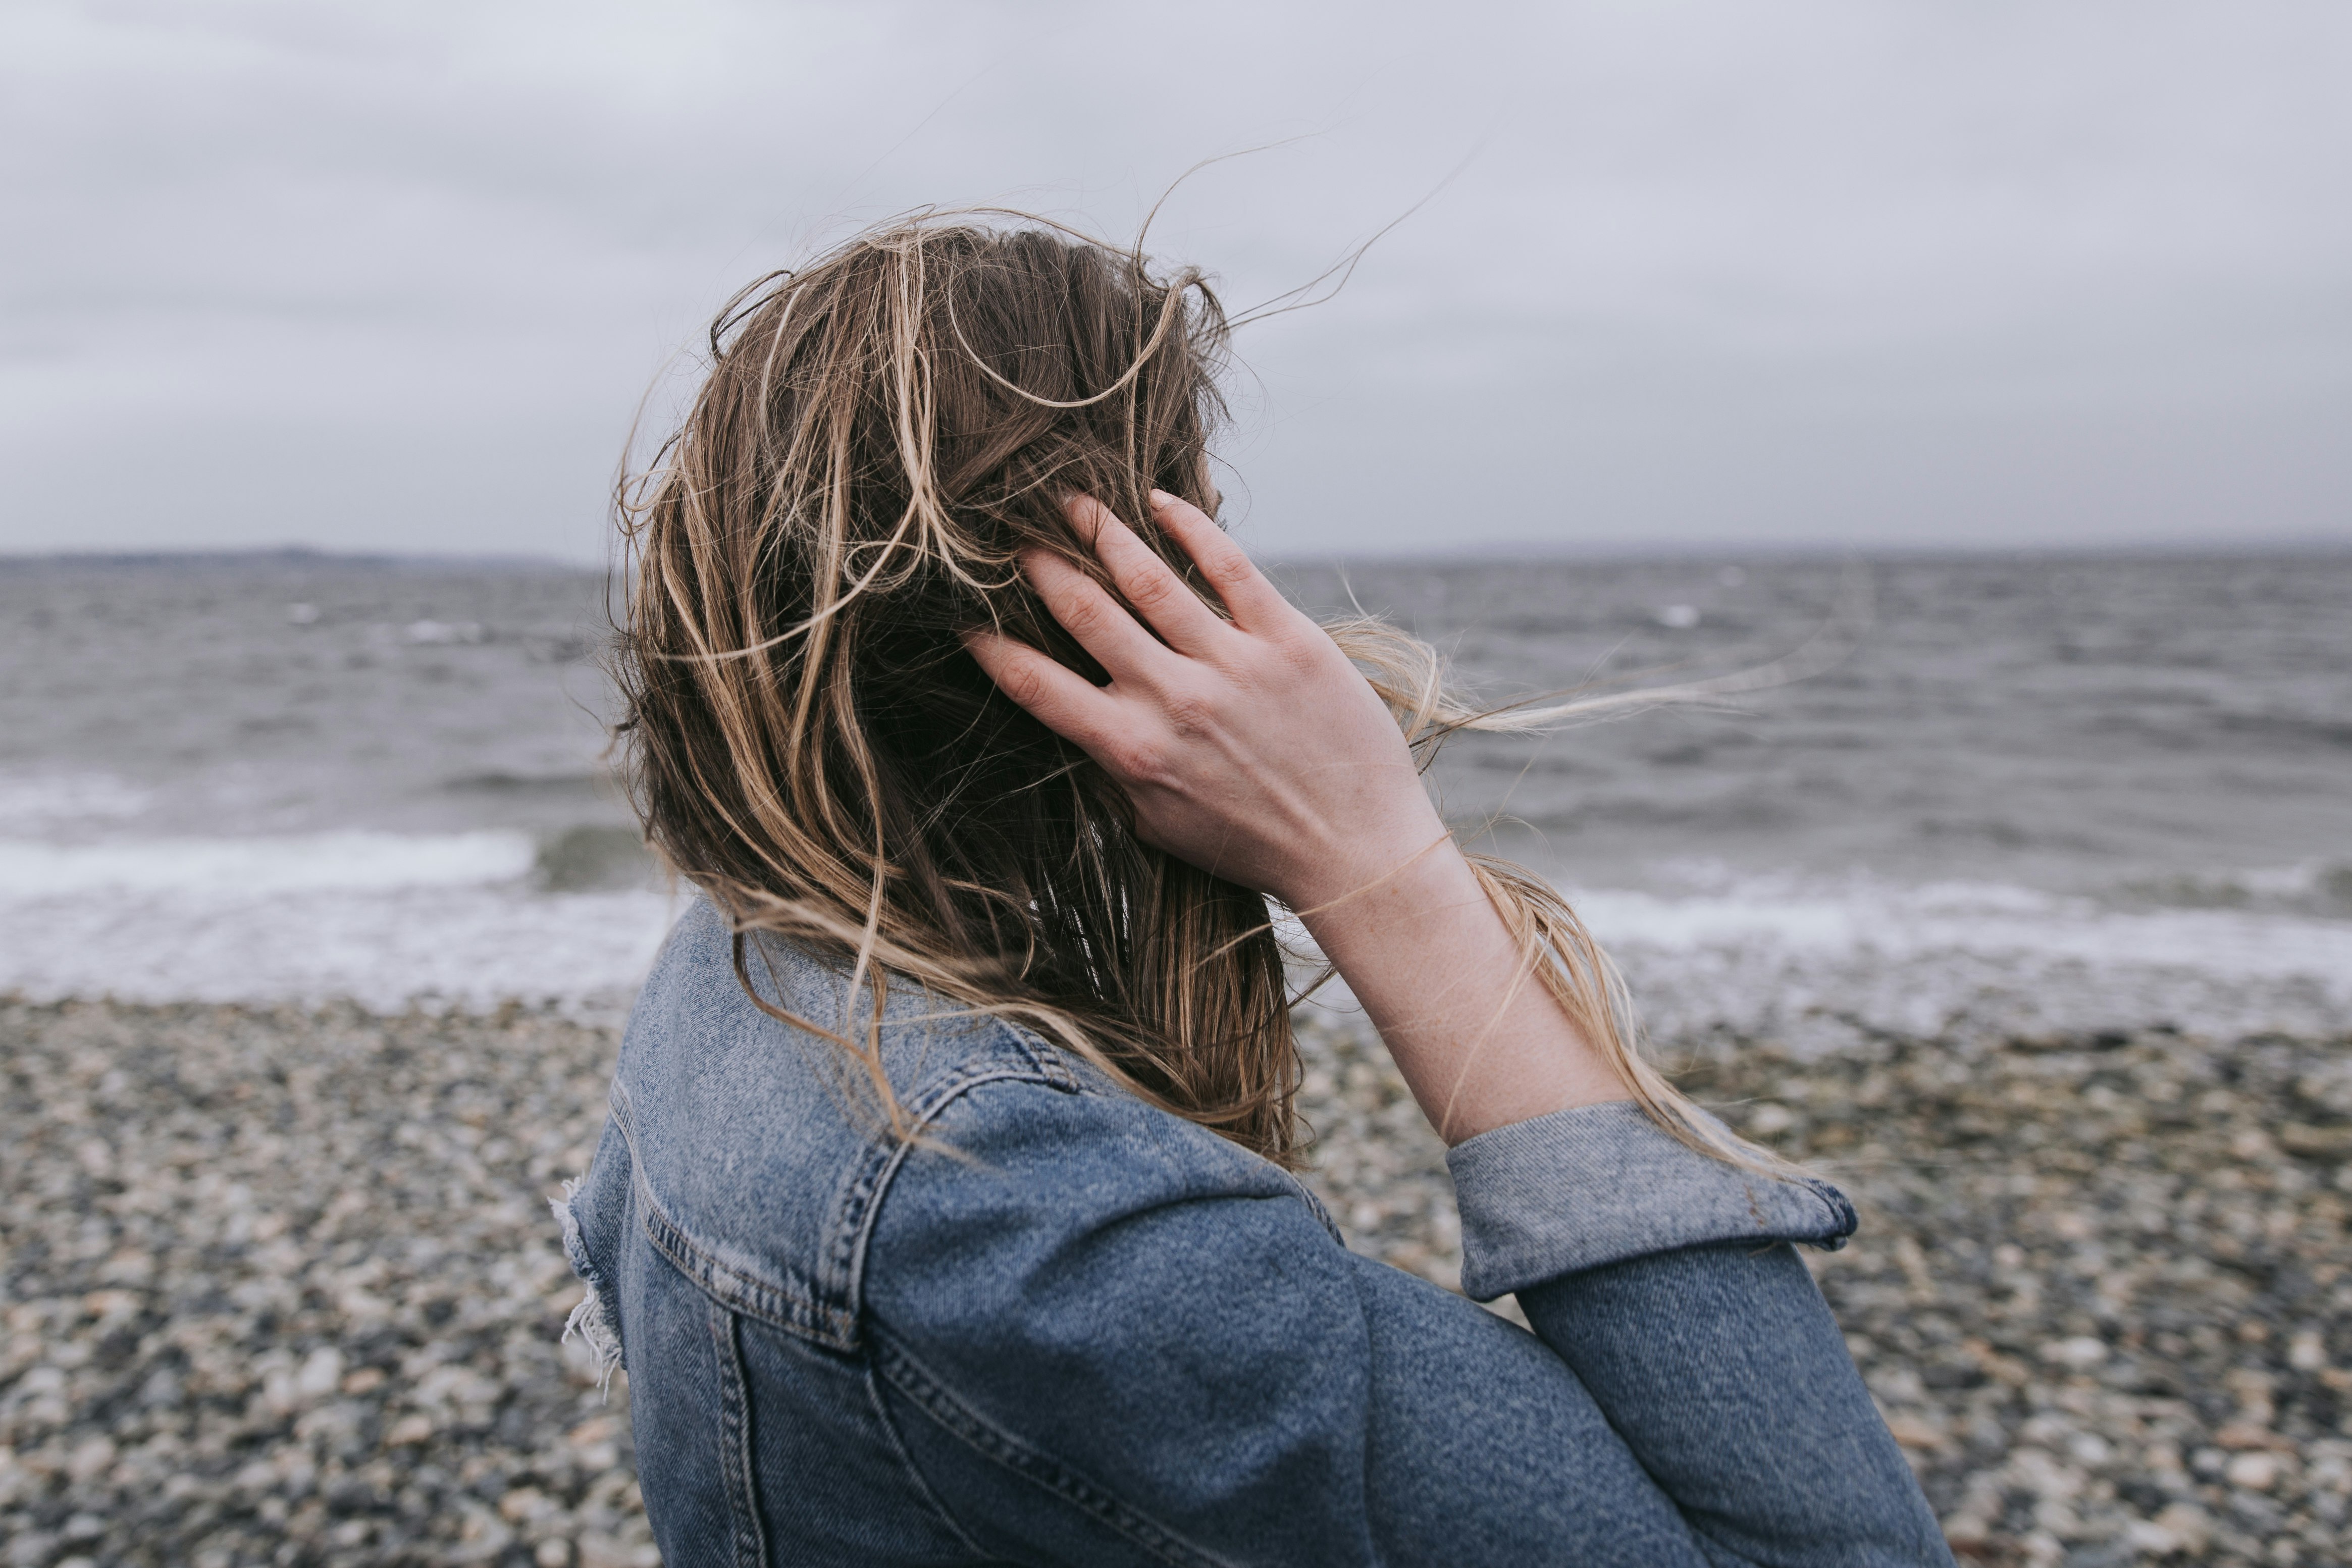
(880, 437)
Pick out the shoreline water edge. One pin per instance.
(281, 1285)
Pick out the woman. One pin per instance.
(945, 1213)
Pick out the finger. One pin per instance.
(1161, 597)
(1099, 621)
(1257, 603)
(1057, 695)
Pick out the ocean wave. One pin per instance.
(352, 861)
(1820, 963)
(2317, 888)
(1864, 915)
(386, 918)
(48, 803)
(387, 948)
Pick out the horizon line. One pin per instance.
(1495, 551)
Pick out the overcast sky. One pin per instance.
(1746, 275)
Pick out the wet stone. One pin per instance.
(280, 1287)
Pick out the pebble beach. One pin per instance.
(280, 1286)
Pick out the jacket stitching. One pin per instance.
(915, 1476)
(994, 1443)
(779, 1306)
(806, 1314)
(880, 1161)
(1315, 1207)
(1052, 1069)
(751, 1296)
(735, 1440)
(861, 1199)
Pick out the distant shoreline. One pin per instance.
(288, 559)
(294, 559)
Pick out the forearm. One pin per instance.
(1479, 1040)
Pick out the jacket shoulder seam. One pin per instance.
(822, 1307)
(861, 1199)
(770, 1302)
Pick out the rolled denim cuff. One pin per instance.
(1600, 1184)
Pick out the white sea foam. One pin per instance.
(378, 917)
(1991, 920)
(467, 945)
(43, 802)
(1820, 963)
(1817, 962)
(353, 861)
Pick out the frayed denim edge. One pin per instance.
(589, 1319)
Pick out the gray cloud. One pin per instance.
(396, 277)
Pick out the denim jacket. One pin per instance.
(1057, 1325)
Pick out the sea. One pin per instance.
(1967, 797)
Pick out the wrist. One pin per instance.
(1365, 895)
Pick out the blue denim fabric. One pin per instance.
(1633, 1189)
(1058, 1326)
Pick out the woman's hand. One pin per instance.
(1251, 748)
(1254, 750)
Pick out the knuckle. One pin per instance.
(1227, 567)
(1281, 646)
(1299, 627)
(1151, 590)
(1138, 759)
(1303, 656)
(1025, 684)
(1306, 640)
(1082, 616)
(1188, 713)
